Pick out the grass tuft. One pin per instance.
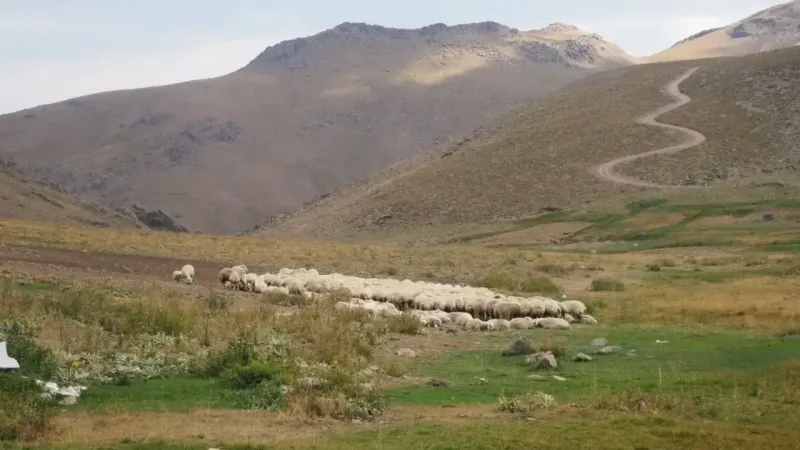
(607, 285)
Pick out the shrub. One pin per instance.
(244, 350)
(537, 285)
(267, 395)
(250, 376)
(667, 262)
(555, 270)
(607, 285)
(653, 267)
(540, 285)
(404, 324)
(261, 385)
(24, 414)
(525, 403)
(34, 361)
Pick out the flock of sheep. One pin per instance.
(435, 304)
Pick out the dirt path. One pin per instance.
(131, 266)
(693, 137)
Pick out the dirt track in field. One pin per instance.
(105, 264)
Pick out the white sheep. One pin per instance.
(574, 308)
(478, 325)
(552, 323)
(500, 324)
(188, 271)
(522, 323)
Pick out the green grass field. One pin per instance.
(726, 373)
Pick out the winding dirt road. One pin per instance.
(693, 137)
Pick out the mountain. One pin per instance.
(544, 156)
(774, 28)
(304, 117)
(24, 199)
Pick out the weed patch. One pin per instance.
(607, 285)
(539, 285)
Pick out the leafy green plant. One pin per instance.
(250, 376)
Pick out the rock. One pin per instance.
(588, 320)
(542, 360)
(581, 357)
(437, 383)
(157, 220)
(558, 378)
(68, 400)
(599, 342)
(406, 352)
(520, 346)
(608, 350)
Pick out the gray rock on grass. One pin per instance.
(581, 357)
(542, 361)
(599, 342)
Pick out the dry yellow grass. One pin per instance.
(752, 302)
(726, 304)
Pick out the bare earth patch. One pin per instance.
(538, 234)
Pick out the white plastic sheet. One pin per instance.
(6, 362)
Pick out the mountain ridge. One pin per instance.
(540, 157)
(770, 29)
(304, 117)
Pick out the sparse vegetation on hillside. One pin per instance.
(540, 155)
(23, 198)
(748, 108)
(309, 115)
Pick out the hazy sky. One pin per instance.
(51, 50)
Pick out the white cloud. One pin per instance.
(642, 35)
(30, 83)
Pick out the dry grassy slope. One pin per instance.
(774, 28)
(23, 199)
(305, 117)
(750, 110)
(537, 156)
(540, 155)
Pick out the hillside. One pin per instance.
(774, 28)
(303, 118)
(24, 199)
(541, 157)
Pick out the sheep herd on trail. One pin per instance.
(434, 304)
